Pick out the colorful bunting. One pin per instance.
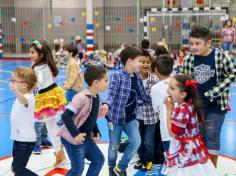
(96, 13)
(22, 39)
(25, 23)
(118, 29)
(117, 18)
(106, 18)
(83, 14)
(108, 28)
(11, 38)
(72, 19)
(154, 29)
(97, 25)
(49, 26)
(130, 30)
(153, 19)
(130, 20)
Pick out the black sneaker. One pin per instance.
(119, 172)
(138, 165)
(111, 171)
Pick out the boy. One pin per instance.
(22, 119)
(80, 131)
(215, 73)
(163, 68)
(125, 91)
(74, 78)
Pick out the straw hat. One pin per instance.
(77, 38)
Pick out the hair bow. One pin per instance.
(38, 44)
(191, 83)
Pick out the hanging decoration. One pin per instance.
(49, 26)
(200, 2)
(2, 13)
(108, 28)
(153, 19)
(83, 14)
(96, 13)
(57, 21)
(118, 29)
(118, 18)
(142, 29)
(25, 23)
(171, 2)
(234, 19)
(97, 24)
(130, 30)
(11, 38)
(177, 24)
(154, 29)
(106, 18)
(73, 20)
(13, 19)
(130, 20)
(22, 39)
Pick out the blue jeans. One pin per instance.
(166, 145)
(132, 131)
(69, 94)
(210, 132)
(227, 46)
(21, 153)
(77, 154)
(146, 148)
(41, 132)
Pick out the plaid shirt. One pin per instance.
(119, 93)
(225, 76)
(186, 149)
(148, 115)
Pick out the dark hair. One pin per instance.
(145, 44)
(160, 50)
(201, 32)
(129, 52)
(72, 49)
(93, 73)
(146, 54)
(57, 46)
(164, 64)
(191, 91)
(42, 47)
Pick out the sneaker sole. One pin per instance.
(115, 171)
(37, 153)
(60, 164)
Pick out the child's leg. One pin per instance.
(141, 149)
(212, 127)
(44, 133)
(114, 138)
(76, 154)
(56, 143)
(96, 157)
(149, 142)
(132, 132)
(39, 127)
(21, 153)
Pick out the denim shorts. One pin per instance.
(210, 131)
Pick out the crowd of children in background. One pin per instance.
(157, 107)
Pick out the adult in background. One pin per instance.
(228, 36)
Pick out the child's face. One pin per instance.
(34, 55)
(174, 91)
(146, 64)
(102, 84)
(67, 54)
(199, 46)
(135, 64)
(18, 84)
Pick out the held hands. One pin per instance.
(168, 101)
(80, 138)
(103, 110)
(95, 137)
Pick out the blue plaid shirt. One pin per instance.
(119, 93)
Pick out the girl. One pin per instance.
(187, 154)
(50, 99)
(147, 118)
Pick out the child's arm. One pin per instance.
(22, 99)
(229, 70)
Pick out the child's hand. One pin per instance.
(96, 137)
(80, 138)
(103, 110)
(168, 101)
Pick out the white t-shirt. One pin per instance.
(22, 120)
(158, 94)
(44, 76)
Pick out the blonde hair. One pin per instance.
(27, 75)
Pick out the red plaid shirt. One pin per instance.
(187, 148)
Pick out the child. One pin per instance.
(50, 99)
(215, 73)
(22, 119)
(125, 91)
(163, 69)
(80, 47)
(187, 154)
(74, 78)
(80, 130)
(147, 118)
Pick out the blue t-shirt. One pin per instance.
(131, 104)
(205, 75)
